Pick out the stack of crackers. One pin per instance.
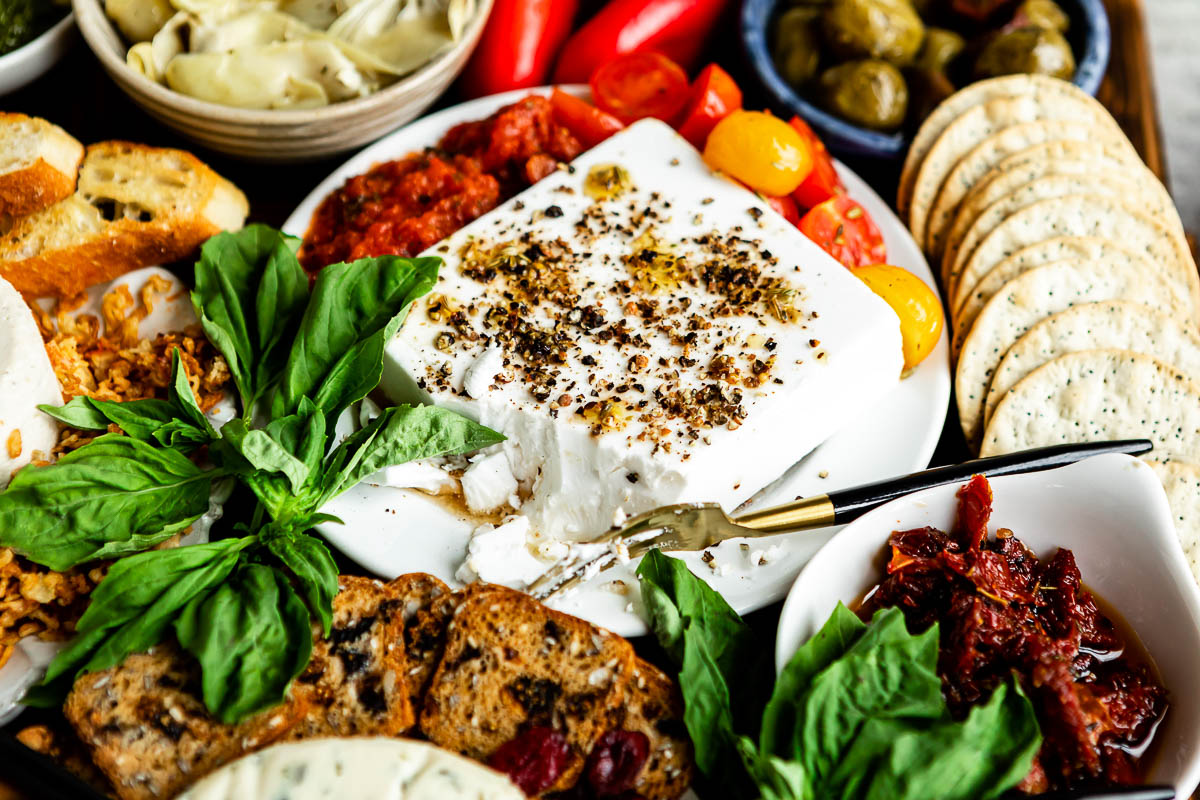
(1072, 293)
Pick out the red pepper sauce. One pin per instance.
(1001, 610)
(403, 207)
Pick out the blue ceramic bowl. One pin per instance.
(1089, 36)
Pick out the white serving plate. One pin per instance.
(394, 531)
(1111, 511)
(31, 60)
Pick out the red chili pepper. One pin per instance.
(676, 28)
(714, 95)
(589, 124)
(519, 44)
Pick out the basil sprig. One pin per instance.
(242, 606)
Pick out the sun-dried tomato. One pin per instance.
(615, 762)
(533, 760)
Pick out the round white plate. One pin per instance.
(31, 60)
(394, 531)
(1112, 513)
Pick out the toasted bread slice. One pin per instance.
(654, 707)
(135, 206)
(148, 730)
(56, 740)
(511, 663)
(38, 165)
(428, 606)
(355, 683)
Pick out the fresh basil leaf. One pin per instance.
(317, 574)
(140, 419)
(180, 395)
(399, 435)
(302, 434)
(252, 636)
(181, 435)
(264, 453)
(78, 413)
(114, 495)
(132, 608)
(776, 778)
(980, 758)
(250, 294)
(840, 631)
(355, 308)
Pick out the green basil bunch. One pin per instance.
(242, 606)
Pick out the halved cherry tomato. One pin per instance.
(638, 85)
(785, 205)
(714, 96)
(844, 229)
(589, 124)
(920, 311)
(823, 182)
(760, 150)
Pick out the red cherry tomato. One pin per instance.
(714, 95)
(785, 205)
(589, 124)
(844, 229)
(638, 85)
(823, 182)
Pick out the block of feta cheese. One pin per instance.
(644, 331)
(26, 379)
(362, 768)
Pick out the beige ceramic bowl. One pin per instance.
(286, 135)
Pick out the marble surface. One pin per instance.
(1174, 29)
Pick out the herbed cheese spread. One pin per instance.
(644, 332)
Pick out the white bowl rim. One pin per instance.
(13, 58)
(1153, 504)
(90, 12)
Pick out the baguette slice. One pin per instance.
(38, 165)
(148, 730)
(136, 206)
(654, 707)
(510, 664)
(355, 683)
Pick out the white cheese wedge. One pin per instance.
(354, 769)
(26, 380)
(675, 341)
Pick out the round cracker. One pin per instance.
(1099, 395)
(1024, 302)
(981, 122)
(1040, 189)
(1092, 215)
(953, 106)
(1116, 324)
(1181, 481)
(1009, 176)
(1100, 251)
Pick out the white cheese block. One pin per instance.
(615, 341)
(26, 380)
(354, 768)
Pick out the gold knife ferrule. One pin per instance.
(808, 512)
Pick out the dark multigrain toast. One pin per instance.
(355, 683)
(652, 706)
(147, 728)
(428, 604)
(510, 663)
(56, 740)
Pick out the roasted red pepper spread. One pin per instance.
(1001, 611)
(403, 207)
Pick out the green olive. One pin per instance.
(1029, 49)
(889, 30)
(797, 46)
(940, 48)
(1044, 14)
(871, 93)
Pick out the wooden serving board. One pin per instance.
(1128, 87)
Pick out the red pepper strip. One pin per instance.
(823, 182)
(589, 124)
(519, 44)
(714, 96)
(676, 28)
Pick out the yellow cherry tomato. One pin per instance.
(920, 311)
(760, 150)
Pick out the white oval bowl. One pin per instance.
(31, 60)
(1112, 512)
(285, 135)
